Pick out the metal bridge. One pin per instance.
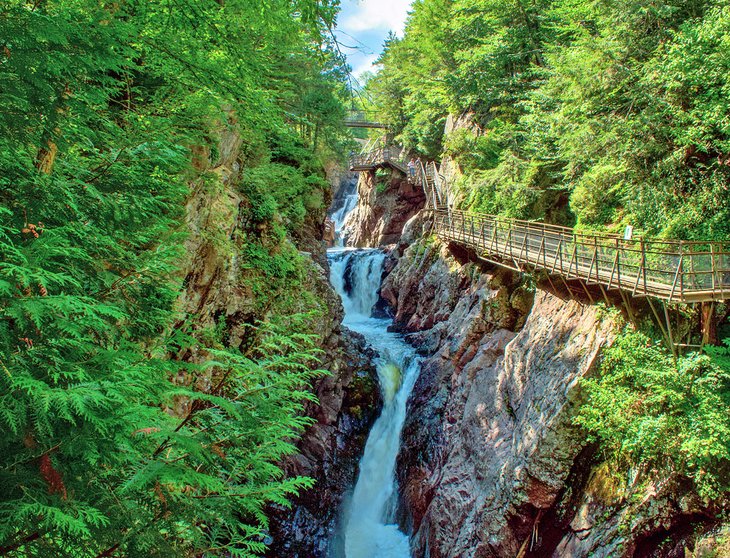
(378, 155)
(670, 270)
(363, 119)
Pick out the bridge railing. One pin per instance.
(428, 177)
(364, 119)
(676, 271)
(377, 156)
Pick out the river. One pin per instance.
(369, 527)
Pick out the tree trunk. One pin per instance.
(46, 155)
(709, 323)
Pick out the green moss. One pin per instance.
(606, 484)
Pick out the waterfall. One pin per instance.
(369, 528)
(348, 204)
(344, 202)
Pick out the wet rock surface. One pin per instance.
(491, 464)
(385, 203)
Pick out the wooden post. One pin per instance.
(643, 262)
(613, 270)
(681, 271)
(539, 252)
(627, 305)
(669, 333)
(618, 266)
(508, 244)
(712, 266)
(558, 254)
(667, 337)
(573, 258)
(677, 275)
(593, 259)
(709, 323)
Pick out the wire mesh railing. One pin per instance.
(377, 156)
(364, 119)
(675, 271)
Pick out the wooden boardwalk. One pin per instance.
(669, 270)
(379, 157)
(673, 271)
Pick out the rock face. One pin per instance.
(216, 289)
(488, 443)
(491, 464)
(330, 451)
(385, 203)
(506, 446)
(659, 518)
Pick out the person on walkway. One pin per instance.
(412, 168)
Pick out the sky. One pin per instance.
(364, 24)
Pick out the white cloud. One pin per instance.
(365, 65)
(368, 15)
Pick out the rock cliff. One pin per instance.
(491, 464)
(386, 201)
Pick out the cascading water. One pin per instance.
(369, 522)
(342, 205)
(348, 205)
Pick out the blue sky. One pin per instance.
(364, 24)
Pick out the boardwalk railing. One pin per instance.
(433, 184)
(363, 119)
(379, 156)
(674, 271)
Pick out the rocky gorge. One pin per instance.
(491, 463)
(499, 328)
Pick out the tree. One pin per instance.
(104, 104)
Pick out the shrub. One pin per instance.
(646, 409)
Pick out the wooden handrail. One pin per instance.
(671, 270)
(675, 271)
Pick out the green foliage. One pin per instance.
(618, 108)
(410, 88)
(295, 195)
(477, 151)
(120, 470)
(647, 410)
(127, 428)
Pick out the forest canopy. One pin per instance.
(126, 427)
(598, 113)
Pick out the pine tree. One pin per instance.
(102, 453)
